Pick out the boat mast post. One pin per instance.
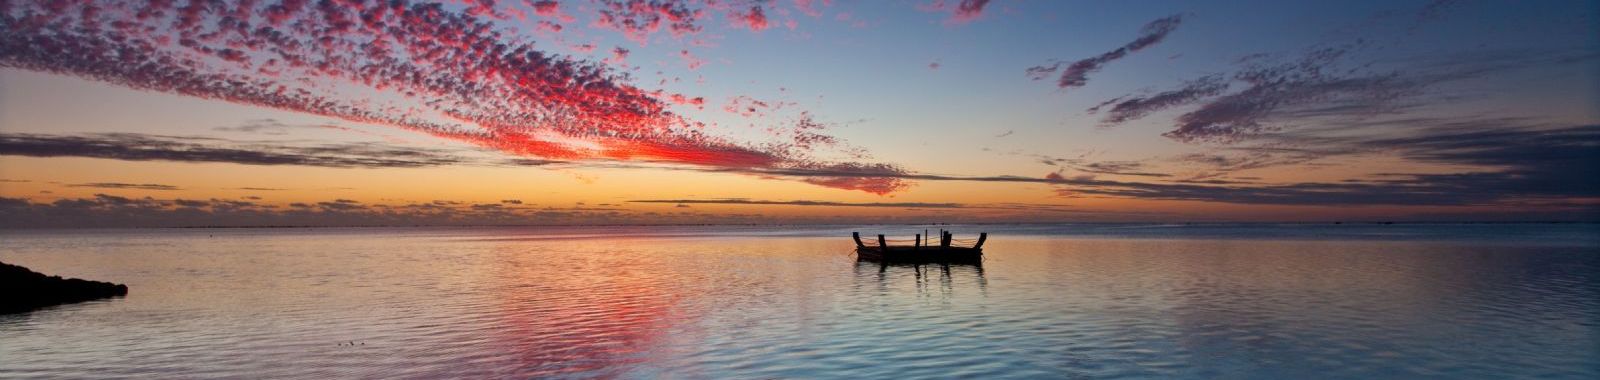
(981, 237)
(883, 244)
(918, 246)
(857, 236)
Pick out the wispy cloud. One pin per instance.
(143, 147)
(1330, 84)
(269, 127)
(875, 178)
(742, 201)
(1084, 164)
(1337, 100)
(1509, 159)
(1076, 74)
(1514, 161)
(105, 210)
(1030, 208)
(115, 185)
(1518, 160)
(1129, 108)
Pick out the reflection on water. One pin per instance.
(782, 303)
(939, 275)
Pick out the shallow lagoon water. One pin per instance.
(1055, 301)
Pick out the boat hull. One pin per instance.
(929, 255)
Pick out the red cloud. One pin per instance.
(878, 179)
(414, 66)
(875, 185)
(681, 99)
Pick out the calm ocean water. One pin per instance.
(1060, 301)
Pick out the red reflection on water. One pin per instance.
(580, 308)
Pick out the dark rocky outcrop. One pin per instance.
(24, 290)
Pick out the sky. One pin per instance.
(168, 113)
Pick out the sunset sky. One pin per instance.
(351, 112)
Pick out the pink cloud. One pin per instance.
(751, 107)
(416, 66)
(968, 11)
(482, 8)
(691, 61)
(809, 7)
(961, 12)
(754, 18)
(546, 8)
(547, 26)
(638, 19)
(619, 56)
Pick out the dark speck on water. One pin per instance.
(1236, 301)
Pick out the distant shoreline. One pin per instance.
(1212, 223)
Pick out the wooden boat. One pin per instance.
(920, 253)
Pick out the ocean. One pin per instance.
(1237, 301)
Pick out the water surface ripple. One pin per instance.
(781, 302)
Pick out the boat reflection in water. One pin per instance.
(942, 281)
